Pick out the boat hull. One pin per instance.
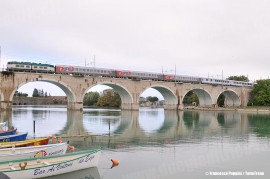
(50, 166)
(15, 137)
(25, 143)
(32, 152)
(9, 132)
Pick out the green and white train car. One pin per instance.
(30, 67)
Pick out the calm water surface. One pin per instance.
(153, 143)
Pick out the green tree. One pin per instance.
(116, 102)
(24, 94)
(90, 98)
(109, 99)
(35, 93)
(260, 94)
(152, 99)
(16, 93)
(191, 97)
(238, 78)
(220, 101)
(19, 94)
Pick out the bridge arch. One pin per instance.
(170, 98)
(126, 96)
(70, 94)
(205, 99)
(231, 98)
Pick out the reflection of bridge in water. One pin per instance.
(173, 126)
(176, 126)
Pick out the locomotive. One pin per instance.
(117, 73)
(30, 67)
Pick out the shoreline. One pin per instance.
(246, 109)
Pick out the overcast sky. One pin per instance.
(200, 37)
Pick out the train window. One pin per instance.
(35, 66)
(17, 65)
(45, 67)
(22, 65)
(27, 66)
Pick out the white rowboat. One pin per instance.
(51, 165)
(33, 151)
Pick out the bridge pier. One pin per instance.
(170, 106)
(75, 106)
(6, 115)
(180, 107)
(6, 105)
(128, 106)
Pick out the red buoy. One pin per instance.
(114, 162)
(71, 148)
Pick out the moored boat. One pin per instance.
(15, 137)
(25, 143)
(33, 151)
(8, 132)
(51, 165)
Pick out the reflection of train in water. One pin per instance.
(105, 72)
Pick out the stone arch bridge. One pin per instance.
(129, 90)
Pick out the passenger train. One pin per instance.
(116, 73)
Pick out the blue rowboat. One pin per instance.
(15, 137)
(8, 132)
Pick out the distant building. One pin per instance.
(144, 103)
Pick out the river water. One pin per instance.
(153, 143)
